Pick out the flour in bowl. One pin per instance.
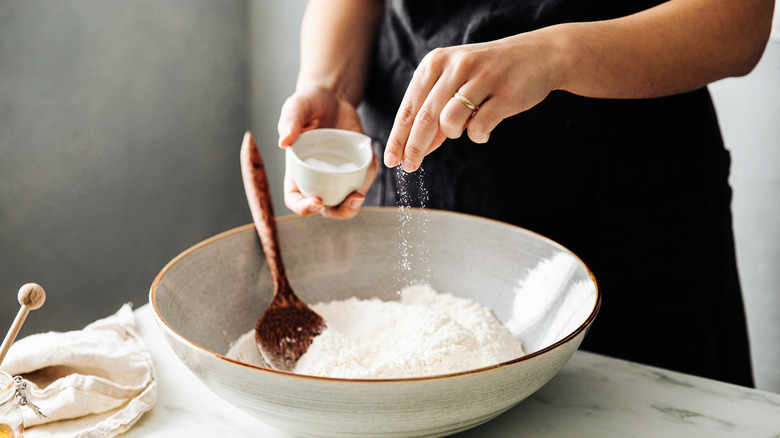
(425, 333)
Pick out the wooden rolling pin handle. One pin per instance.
(31, 296)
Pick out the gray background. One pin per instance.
(121, 121)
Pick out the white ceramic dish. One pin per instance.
(209, 295)
(329, 163)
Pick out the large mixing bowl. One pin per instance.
(211, 294)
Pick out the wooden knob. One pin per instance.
(32, 296)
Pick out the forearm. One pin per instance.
(675, 47)
(336, 41)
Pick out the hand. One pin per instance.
(502, 78)
(310, 108)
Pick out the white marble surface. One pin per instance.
(592, 396)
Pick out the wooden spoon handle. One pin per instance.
(259, 197)
(31, 296)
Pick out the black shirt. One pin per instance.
(637, 188)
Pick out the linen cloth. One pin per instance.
(95, 382)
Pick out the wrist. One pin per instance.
(566, 53)
(341, 89)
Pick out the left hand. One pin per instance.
(502, 78)
(313, 107)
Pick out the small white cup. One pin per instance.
(329, 163)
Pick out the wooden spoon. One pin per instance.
(31, 296)
(287, 327)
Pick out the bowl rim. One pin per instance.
(566, 339)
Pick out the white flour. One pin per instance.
(424, 334)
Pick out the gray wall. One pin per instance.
(120, 123)
(749, 111)
(274, 69)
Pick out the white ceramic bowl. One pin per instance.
(329, 163)
(209, 295)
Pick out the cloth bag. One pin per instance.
(95, 382)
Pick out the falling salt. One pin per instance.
(413, 227)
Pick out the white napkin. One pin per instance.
(94, 382)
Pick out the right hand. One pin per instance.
(310, 108)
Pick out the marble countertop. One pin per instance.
(592, 396)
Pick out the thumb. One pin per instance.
(295, 113)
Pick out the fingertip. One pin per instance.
(289, 125)
(314, 205)
(287, 138)
(301, 205)
(355, 201)
(479, 138)
(409, 165)
(391, 160)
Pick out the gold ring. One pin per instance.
(465, 101)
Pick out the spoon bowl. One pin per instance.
(287, 327)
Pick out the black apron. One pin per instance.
(637, 188)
